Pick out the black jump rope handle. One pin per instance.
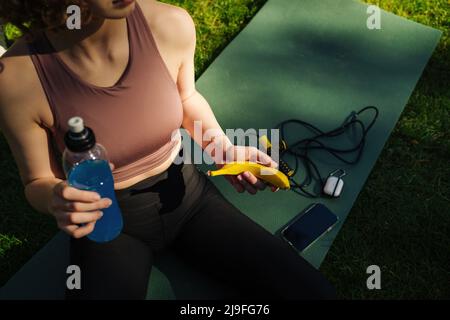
(301, 152)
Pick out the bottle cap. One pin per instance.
(79, 138)
(76, 124)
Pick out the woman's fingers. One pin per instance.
(265, 159)
(253, 154)
(75, 206)
(66, 192)
(69, 229)
(73, 218)
(254, 181)
(112, 166)
(246, 184)
(84, 230)
(268, 161)
(70, 222)
(247, 180)
(235, 183)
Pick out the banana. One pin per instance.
(268, 174)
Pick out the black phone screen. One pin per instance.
(310, 225)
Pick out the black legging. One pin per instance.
(181, 210)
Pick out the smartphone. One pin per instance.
(309, 226)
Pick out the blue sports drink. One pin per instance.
(95, 175)
(86, 167)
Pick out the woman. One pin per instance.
(129, 72)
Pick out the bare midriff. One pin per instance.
(152, 172)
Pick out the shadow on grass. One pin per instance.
(23, 231)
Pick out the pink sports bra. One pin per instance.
(134, 119)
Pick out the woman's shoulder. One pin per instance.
(153, 9)
(168, 22)
(17, 79)
(15, 68)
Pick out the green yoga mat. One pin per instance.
(316, 61)
(305, 59)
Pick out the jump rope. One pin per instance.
(300, 150)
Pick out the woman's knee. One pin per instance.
(119, 269)
(295, 278)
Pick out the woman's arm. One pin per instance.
(20, 123)
(196, 108)
(28, 143)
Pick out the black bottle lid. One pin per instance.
(79, 138)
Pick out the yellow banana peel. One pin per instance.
(268, 174)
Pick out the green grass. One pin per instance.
(401, 219)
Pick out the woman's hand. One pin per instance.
(72, 207)
(247, 181)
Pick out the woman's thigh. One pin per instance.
(153, 211)
(118, 269)
(224, 242)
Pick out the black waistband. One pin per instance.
(147, 183)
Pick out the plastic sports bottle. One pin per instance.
(86, 167)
